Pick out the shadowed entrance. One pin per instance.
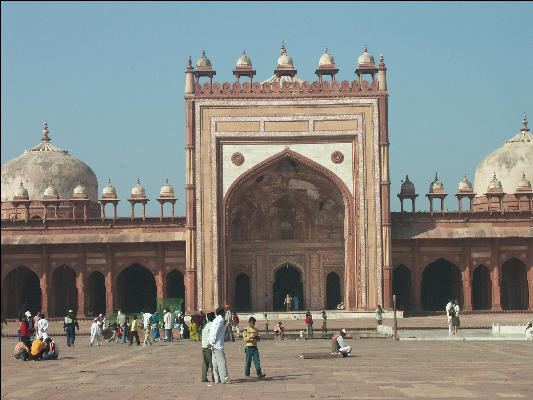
(21, 292)
(242, 293)
(96, 294)
(333, 291)
(176, 286)
(64, 291)
(481, 289)
(514, 285)
(441, 280)
(136, 289)
(287, 280)
(401, 286)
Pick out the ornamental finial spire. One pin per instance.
(524, 124)
(45, 137)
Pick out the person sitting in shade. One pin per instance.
(338, 345)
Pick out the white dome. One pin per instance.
(167, 190)
(244, 60)
(51, 191)
(284, 59)
(326, 59)
(203, 61)
(508, 162)
(524, 183)
(465, 184)
(436, 185)
(408, 187)
(80, 189)
(138, 190)
(365, 58)
(44, 162)
(109, 190)
(21, 191)
(494, 183)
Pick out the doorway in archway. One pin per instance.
(401, 286)
(21, 292)
(333, 291)
(64, 291)
(441, 280)
(242, 293)
(287, 280)
(96, 294)
(481, 289)
(514, 285)
(136, 290)
(176, 287)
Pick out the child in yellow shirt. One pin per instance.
(251, 336)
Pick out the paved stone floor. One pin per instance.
(380, 369)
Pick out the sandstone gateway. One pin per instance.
(287, 191)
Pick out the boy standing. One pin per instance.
(251, 337)
(95, 332)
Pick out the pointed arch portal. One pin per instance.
(21, 292)
(136, 290)
(441, 280)
(287, 280)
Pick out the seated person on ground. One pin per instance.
(22, 349)
(38, 349)
(338, 345)
(52, 350)
(279, 329)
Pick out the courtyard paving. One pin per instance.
(379, 369)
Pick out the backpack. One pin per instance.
(451, 313)
(235, 318)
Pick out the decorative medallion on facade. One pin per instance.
(337, 157)
(237, 159)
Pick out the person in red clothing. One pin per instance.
(309, 324)
(25, 329)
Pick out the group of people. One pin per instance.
(292, 303)
(34, 342)
(452, 311)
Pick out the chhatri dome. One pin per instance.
(42, 164)
(508, 162)
(365, 58)
(244, 60)
(203, 61)
(326, 59)
(284, 64)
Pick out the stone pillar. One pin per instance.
(192, 298)
(80, 284)
(46, 304)
(109, 282)
(530, 287)
(44, 293)
(496, 276)
(416, 288)
(160, 285)
(467, 288)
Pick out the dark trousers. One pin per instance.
(207, 355)
(170, 336)
(135, 335)
(252, 352)
(71, 335)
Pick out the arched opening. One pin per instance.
(286, 199)
(21, 292)
(176, 287)
(287, 280)
(481, 289)
(136, 289)
(514, 294)
(64, 291)
(96, 294)
(401, 287)
(333, 291)
(242, 293)
(441, 280)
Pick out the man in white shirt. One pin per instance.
(42, 328)
(207, 353)
(147, 323)
(215, 340)
(450, 311)
(168, 321)
(338, 345)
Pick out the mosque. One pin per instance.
(287, 191)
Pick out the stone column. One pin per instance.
(80, 284)
(46, 304)
(109, 278)
(416, 288)
(530, 287)
(496, 276)
(466, 276)
(192, 298)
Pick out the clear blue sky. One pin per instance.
(109, 78)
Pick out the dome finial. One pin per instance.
(524, 124)
(22, 185)
(166, 181)
(282, 50)
(109, 181)
(45, 137)
(189, 63)
(436, 177)
(138, 181)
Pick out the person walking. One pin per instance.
(251, 336)
(69, 326)
(324, 324)
(288, 302)
(235, 325)
(155, 326)
(42, 327)
(379, 315)
(207, 353)
(167, 319)
(96, 330)
(266, 324)
(215, 341)
(309, 323)
(134, 331)
(147, 324)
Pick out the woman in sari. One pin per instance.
(195, 333)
